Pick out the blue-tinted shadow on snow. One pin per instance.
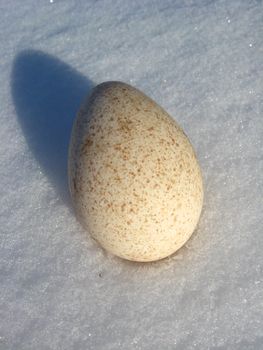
(47, 94)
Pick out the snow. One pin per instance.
(202, 61)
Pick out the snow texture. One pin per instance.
(202, 61)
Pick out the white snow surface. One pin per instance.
(203, 62)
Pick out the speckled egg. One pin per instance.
(134, 178)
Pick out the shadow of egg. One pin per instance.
(47, 94)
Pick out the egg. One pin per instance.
(134, 178)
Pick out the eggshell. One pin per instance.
(134, 179)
